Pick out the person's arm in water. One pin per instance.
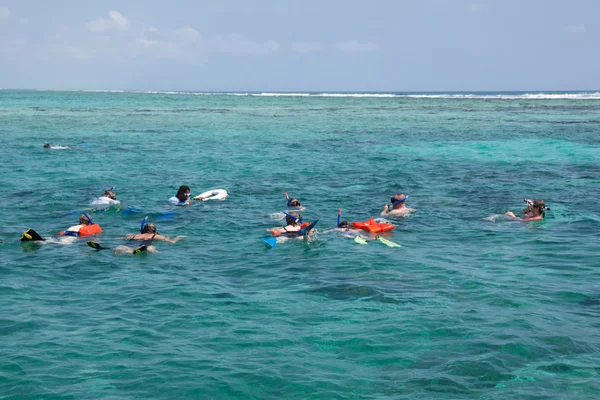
(512, 215)
(385, 210)
(168, 239)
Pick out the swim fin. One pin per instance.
(31, 236)
(270, 241)
(387, 242)
(307, 230)
(96, 245)
(140, 249)
(360, 240)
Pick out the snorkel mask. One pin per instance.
(402, 200)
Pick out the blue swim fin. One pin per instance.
(270, 241)
(306, 230)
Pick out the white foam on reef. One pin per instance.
(281, 94)
(507, 96)
(102, 91)
(413, 95)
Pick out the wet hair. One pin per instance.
(294, 202)
(344, 224)
(289, 219)
(110, 193)
(83, 220)
(541, 206)
(47, 146)
(183, 189)
(149, 228)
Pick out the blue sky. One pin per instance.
(236, 45)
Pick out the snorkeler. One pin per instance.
(293, 222)
(147, 235)
(85, 227)
(47, 146)
(294, 229)
(148, 232)
(109, 198)
(293, 202)
(182, 198)
(535, 211)
(399, 208)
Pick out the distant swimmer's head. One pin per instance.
(47, 146)
(294, 202)
(292, 218)
(149, 228)
(110, 194)
(183, 193)
(398, 199)
(345, 225)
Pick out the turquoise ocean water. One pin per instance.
(465, 309)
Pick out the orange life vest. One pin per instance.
(373, 227)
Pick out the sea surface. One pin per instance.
(465, 309)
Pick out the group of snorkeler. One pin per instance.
(86, 226)
(534, 211)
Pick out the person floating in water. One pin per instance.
(399, 208)
(109, 198)
(293, 222)
(293, 202)
(85, 227)
(47, 146)
(535, 211)
(147, 235)
(342, 225)
(182, 198)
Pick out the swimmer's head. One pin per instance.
(292, 218)
(183, 193)
(149, 228)
(294, 202)
(183, 189)
(47, 146)
(398, 199)
(84, 220)
(110, 194)
(539, 204)
(345, 224)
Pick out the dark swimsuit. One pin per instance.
(144, 242)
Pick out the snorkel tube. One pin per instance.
(287, 198)
(339, 217)
(143, 224)
(298, 220)
(87, 216)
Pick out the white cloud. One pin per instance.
(356, 46)
(475, 7)
(574, 28)
(115, 22)
(188, 34)
(306, 47)
(4, 12)
(238, 45)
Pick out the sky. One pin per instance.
(300, 45)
